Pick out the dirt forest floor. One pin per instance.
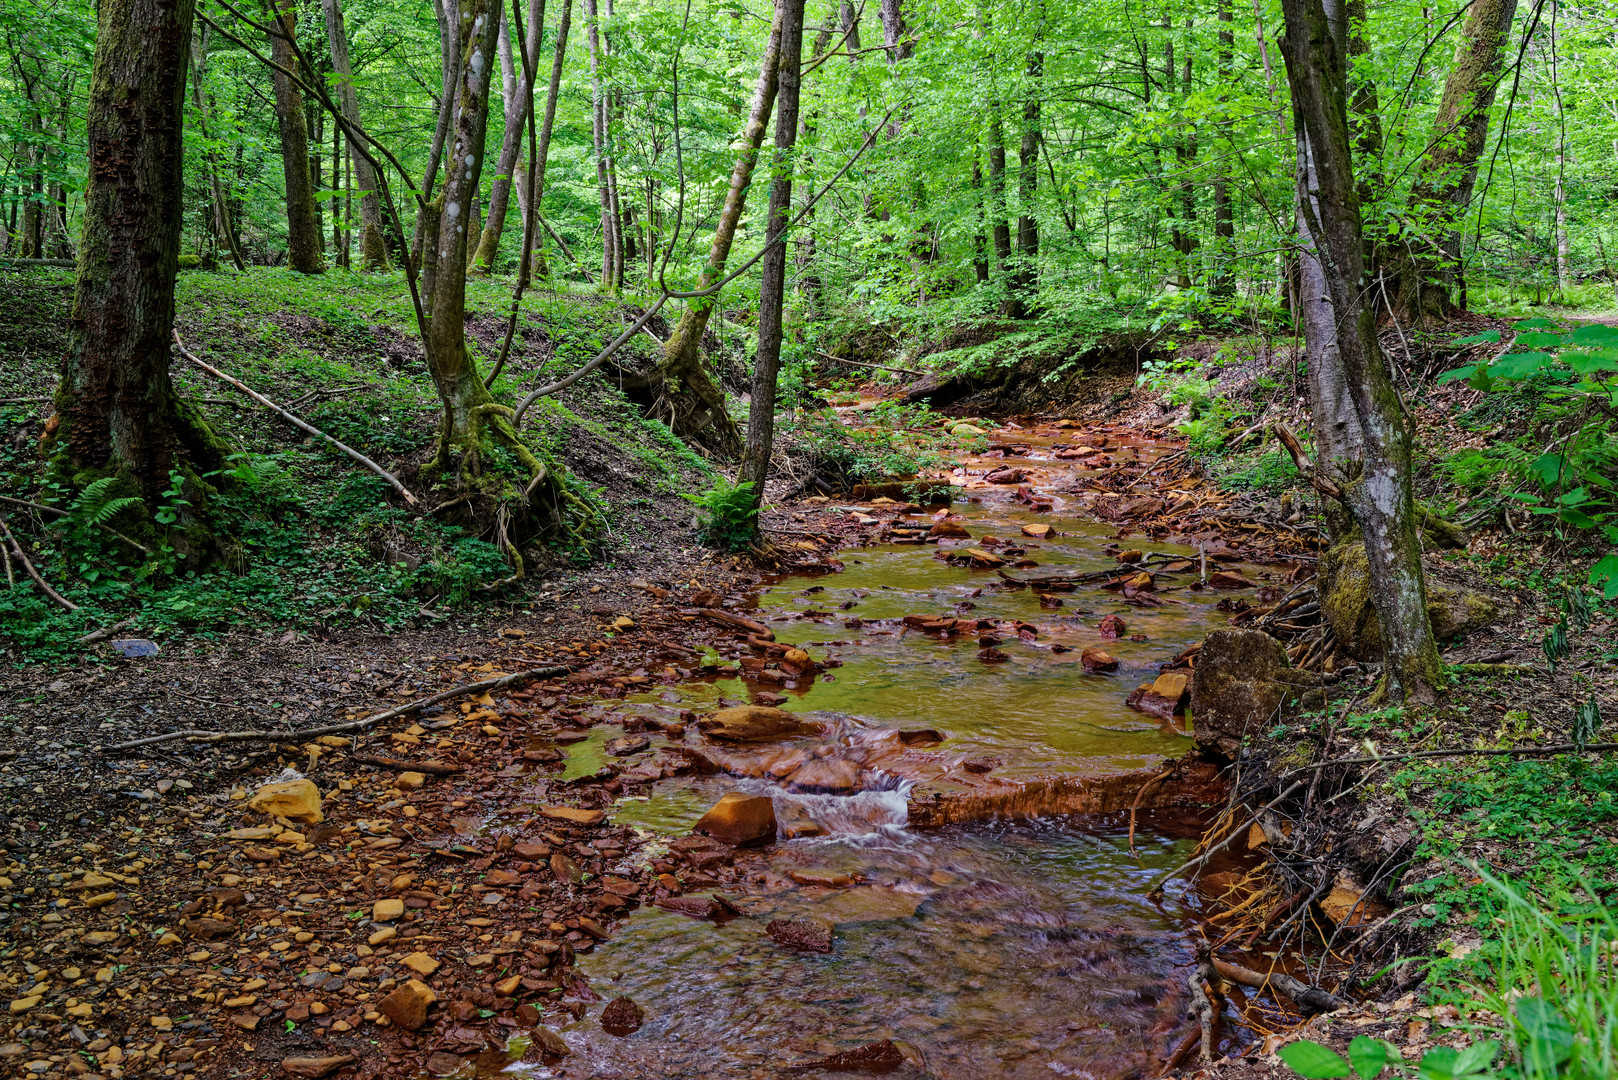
(157, 924)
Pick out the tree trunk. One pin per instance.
(999, 214)
(372, 245)
(980, 242)
(1427, 264)
(221, 210)
(1362, 432)
(598, 137)
(1024, 279)
(517, 105)
(1564, 278)
(544, 151)
(304, 248)
(701, 402)
(423, 246)
(809, 282)
(119, 414)
(1220, 283)
(1185, 157)
(773, 274)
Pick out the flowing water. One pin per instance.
(991, 948)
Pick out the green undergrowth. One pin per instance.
(313, 539)
(891, 442)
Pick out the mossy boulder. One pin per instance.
(1240, 682)
(1345, 573)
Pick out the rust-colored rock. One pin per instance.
(573, 815)
(1112, 627)
(1097, 660)
(949, 530)
(740, 820)
(407, 1006)
(296, 800)
(810, 935)
(316, 1067)
(694, 907)
(756, 723)
(877, 1057)
(1167, 695)
(1229, 579)
(1038, 530)
(622, 1017)
(1005, 476)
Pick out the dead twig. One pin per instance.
(105, 632)
(301, 425)
(1157, 886)
(1308, 998)
(485, 686)
(44, 586)
(1323, 484)
(431, 768)
(1139, 795)
(879, 367)
(739, 621)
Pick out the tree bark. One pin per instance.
(1362, 432)
(424, 246)
(1220, 282)
(598, 135)
(1024, 278)
(1427, 265)
(372, 244)
(305, 250)
(536, 196)
(119, 413)
(221, 210)
(517, 105)
(809, 281)
(755, 465)
(702, 401)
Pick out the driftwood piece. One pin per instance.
(487, 685)
(431, 768)
(1311, 999)
(741, 622)
(44, 586)
(301, 425)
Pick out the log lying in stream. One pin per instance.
(1310, 999)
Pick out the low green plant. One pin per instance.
(730, 517)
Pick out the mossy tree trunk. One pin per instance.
(117, 410)
(1362, 432)
(773, 279)
(1425, 266)
(305, 249)
(697, 402)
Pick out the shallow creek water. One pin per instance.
(988, 949)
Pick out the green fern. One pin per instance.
(96, 504)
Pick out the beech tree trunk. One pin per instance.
(221, 209)
(543, 153)
(424, 246)
(372, 245)
(305, 249)
(117, 408)
(1220, 282)
(599, 137)
(702, 402)
(773, 276)
(517, 105)
(1427, 264)
(1024, 278)
(1362, 433)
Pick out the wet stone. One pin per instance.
(809, 935)
(622, 1017)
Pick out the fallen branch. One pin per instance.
(21, 400)
(487, 685)
(879, 367)
(63, 513)
(301, 425)
(1508, 751)
(1322, 484)
(1311, 999)
(431, 768)
(739, 621)
(105, 632)
(44, 586)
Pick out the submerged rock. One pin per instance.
(622, 1017)
(810, 935)
(872, 1057)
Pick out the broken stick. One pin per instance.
(301, 425)
(431, 768)
(1311, 999)
(44, 586)
(198, 736)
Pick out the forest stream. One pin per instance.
(1016, 944)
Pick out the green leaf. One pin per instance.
(1534, 324)
(1310, 1059)
(1550, 1036)
(1476, 1058)
(1437, 1064)
(1593, 334)
(1519, 365)
(1475, 339)
(1591, 361)
(1460, 373)
(1605, 572)
(1367, 1055)
(1546, 468)
(1542, 341)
